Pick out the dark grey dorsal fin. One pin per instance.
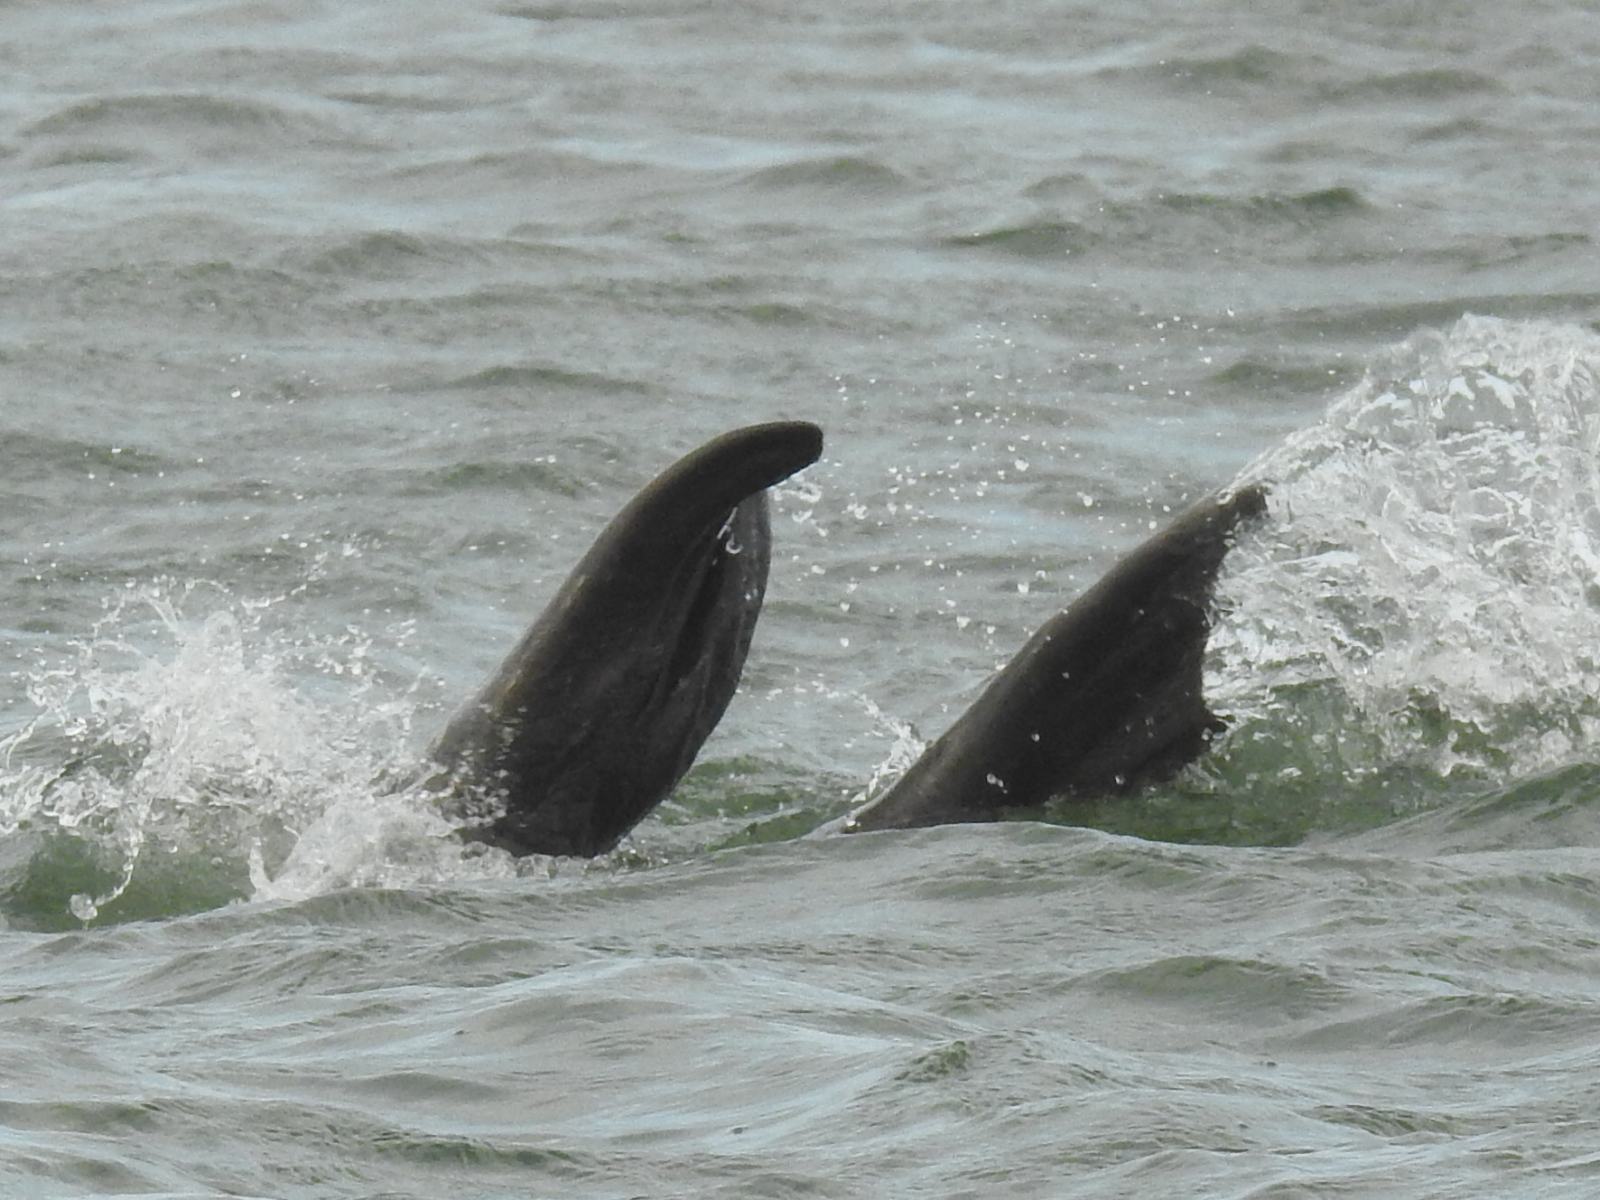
(600, 710)
(1104, 697)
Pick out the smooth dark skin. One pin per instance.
(1104, 698)
(600, 710)
(602, 707)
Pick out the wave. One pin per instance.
(1416, 619)
(166, 125)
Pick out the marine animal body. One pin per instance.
(1106, 696)
(601, 708)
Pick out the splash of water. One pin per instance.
(1424, 595)
(187, 737)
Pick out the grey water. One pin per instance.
(330, 335)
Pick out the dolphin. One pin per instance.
(1106, 696)
(601, 708)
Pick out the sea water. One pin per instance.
(331, 335)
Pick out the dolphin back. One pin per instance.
(600, 710)
(1106, 696)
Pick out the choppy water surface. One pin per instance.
(328, 338)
